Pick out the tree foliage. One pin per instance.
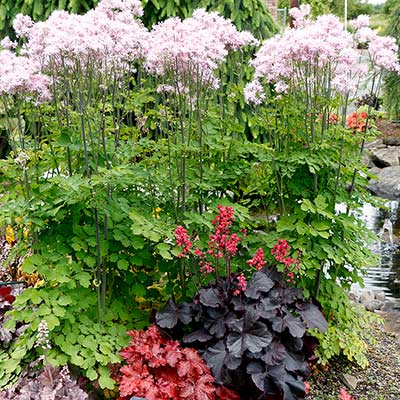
(392, 79)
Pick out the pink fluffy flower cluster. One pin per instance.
(112, 37)
(320, 50)
(21, 76)
(194, 47)
(107, 34)
(382, 50)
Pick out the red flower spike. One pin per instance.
(182, 239)
(258, 260)
(222, 240)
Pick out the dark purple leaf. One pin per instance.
(276, 376)
(197, 336)
(278, 324)
(234, 324)
(185, 313)
(259, 380)
(215, 322)
(296, 363)
(312, 316)
(295, 325)
(219, 359)
(253, 340)
(168, 317)
(267, 307)
(211, 297)
(294, 388)
(290, 294)
(295, 344)
(255, 367)
(260, 283)
(257, 371)
(274, 354)
(238, 303)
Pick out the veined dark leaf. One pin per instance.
(260, 283)
(197, 336)
(219, 359)
(293, 389)
(211, 297)
(312, 316)
(253, 340)
(215, 324)
(295, 362)
(267, 307)
(295, 325)
(275, 354)
(169, 316)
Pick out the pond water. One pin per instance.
(386, 275)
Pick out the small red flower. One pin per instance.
(242, 285)
(182, 239)
(258, 260)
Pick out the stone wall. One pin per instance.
(272, 6)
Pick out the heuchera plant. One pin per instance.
(251, 334)
(160, 369)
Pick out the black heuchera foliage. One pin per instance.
(255, 343)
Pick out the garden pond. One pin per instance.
(385, 276)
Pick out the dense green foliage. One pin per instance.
(319, 7)
(250, 15)
(392, 80)
(37, 9)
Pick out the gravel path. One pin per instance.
(379, 381)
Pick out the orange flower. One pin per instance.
(357, 121)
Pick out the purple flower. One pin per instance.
(193, 48)
(21, 76)
(22, 25)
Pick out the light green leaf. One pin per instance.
(123, 265)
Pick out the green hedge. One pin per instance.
(391, 87)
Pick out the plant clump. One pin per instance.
(251, 333)
(255, 343)
(158, 368)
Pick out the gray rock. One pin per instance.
(388, 183)
(375, 144)
(380, 295)
(366, 296)
(391, 140)
(354, 296)
(374, 305)
(349, 380)
(386, 157)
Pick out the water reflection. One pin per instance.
(385, 276)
